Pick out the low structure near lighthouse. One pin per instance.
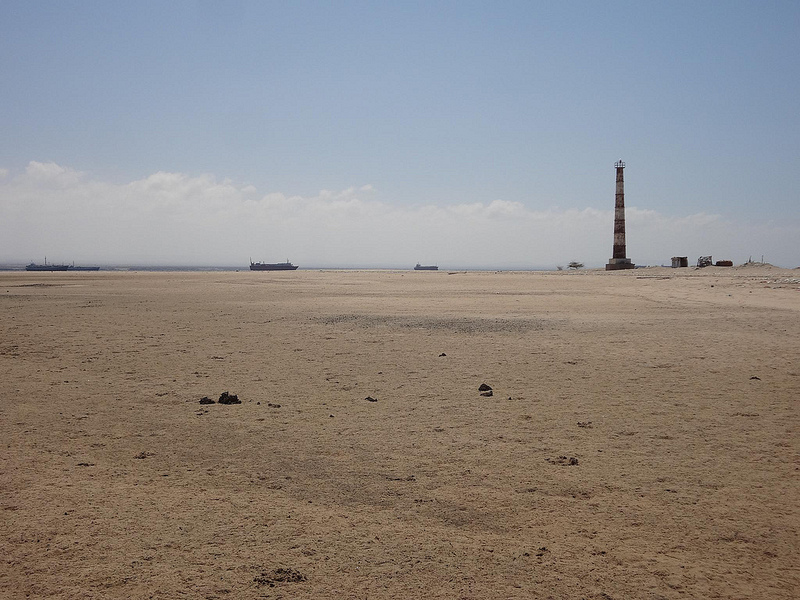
(618, 259)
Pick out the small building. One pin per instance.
(680, 261)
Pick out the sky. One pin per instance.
(381, 134)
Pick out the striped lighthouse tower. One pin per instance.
(618, 259)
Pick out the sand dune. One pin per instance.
(641, 440)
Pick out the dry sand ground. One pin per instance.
(675, 390)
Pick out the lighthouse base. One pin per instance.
(615, 264)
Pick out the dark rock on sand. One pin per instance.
(563, 460)
(206, 400)
(484, 388)
(226, 398)
(487, 394)
(370, 399)
(279, 575)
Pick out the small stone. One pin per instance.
(370, 399)
(484, 388)
(206, 400)
(280, 575)
(563, 460)
(443, 354)
(226, 398)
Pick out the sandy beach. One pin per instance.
(641, 439)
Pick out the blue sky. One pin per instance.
(496, 124)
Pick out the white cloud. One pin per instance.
(175, 218)
(51, 174)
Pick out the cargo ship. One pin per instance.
(284, 266)
(45, 267)
(419, 267)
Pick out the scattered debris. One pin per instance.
(586, 424)
(271, 405)
(409, 478)
(563, 460)
(279, 575)
(370, 399)
(207, 400)
(143, 455)
(704, 261)
(85, 464)
(226, 398)
(484, 388)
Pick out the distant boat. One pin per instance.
(74, 268)
(420, 267)
(45, 267)
(284, 266)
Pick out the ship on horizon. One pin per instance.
(46, 267)
(51, 267)
(419, 267)
(284, 266)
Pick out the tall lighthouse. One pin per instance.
(618, 259)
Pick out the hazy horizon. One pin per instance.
(374, 134)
